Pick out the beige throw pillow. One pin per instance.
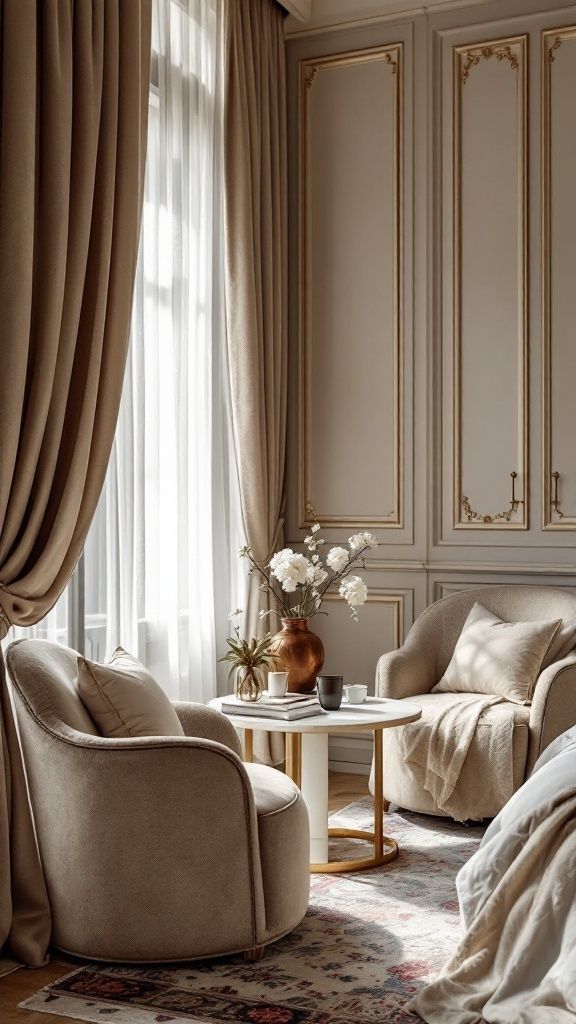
(124, 699)
(501, 658)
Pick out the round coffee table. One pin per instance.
(307, 766)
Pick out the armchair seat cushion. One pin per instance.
(283, 833)
(273, 791)
(401, 785)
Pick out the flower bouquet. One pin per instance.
(299, 582)
(308, 576)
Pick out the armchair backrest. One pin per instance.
(439, 627)
(44, 674)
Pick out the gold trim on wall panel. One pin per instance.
(376, 596)
(392, 55)
(513, 51)
(553, 516)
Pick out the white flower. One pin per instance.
(290, 569)
(280, 556)
(234, 613)
(337, 558)
(316, 575)
(310, 543)
(315, 558)
(353, 590)
(362, 540)
(316, 527)
(263, 614)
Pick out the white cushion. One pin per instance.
(492, 656)
(124, 699)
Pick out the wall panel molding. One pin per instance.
(319, 468)
(382, 597)
(468, 61)
(445, 588)
(558, 196)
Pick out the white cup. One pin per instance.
(356, 693)
(277, 684)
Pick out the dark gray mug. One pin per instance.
(329, 692)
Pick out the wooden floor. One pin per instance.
(24, 983)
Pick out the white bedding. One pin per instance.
(516, 963)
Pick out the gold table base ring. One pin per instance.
(389, 852)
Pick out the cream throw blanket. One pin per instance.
(517, 962)
(436, 746)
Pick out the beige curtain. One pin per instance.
(73, 114)
(256, 256)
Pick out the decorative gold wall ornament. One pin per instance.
(549, 54)
(552, 39)
(464, 516)
(483, 517)
(392, 56)
(477, 53)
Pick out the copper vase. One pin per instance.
(301, 654)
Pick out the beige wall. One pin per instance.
(433, 355)
(324, 14)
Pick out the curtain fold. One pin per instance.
(255, 176)
(73, 130)
(73, 113)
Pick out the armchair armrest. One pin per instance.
(553, 706)
(406, 672)
(207, 723)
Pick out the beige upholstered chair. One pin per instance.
(410, 673)
(154, 848)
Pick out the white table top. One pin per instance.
(375, 713)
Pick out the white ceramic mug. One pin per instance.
(277, 684)
(356, 693)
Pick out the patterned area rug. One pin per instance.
(370, 940)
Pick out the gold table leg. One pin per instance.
(248, 745)
(385, 849)
(294, 757)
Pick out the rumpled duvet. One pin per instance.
(516, 963)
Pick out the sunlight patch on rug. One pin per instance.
(370, 940)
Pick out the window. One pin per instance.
(160, 569)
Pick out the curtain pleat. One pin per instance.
(255, 170)
(74, 82)
(73, 130)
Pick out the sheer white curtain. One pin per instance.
(161, 562)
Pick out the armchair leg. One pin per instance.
(254, 954)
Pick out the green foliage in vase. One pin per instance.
(249, 654)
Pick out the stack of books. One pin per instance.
(286, 709)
